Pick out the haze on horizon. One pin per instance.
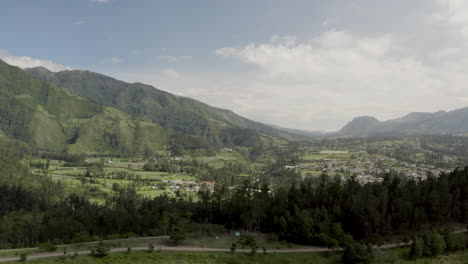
(300, 64)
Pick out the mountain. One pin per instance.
(299, 132)
(179, 114)
(453, 122)
(359, 126)
(47, 117)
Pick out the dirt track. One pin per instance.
(188, 249)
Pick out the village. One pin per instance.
(369, 162)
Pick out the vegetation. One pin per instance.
(388, 256)
(74, 171)
(316, 211)
(432, 244)
(47, 117)
(439, 123)
(179, 114)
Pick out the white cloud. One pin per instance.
(455, 13)
(325, 82)
(101, 1)
(116, 60)
(28, 62)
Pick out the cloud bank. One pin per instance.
(28, 62)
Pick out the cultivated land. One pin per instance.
(367, 160)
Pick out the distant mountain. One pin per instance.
(359, 126)
(441, 122)
(179, 114)
(47, 117)
(300, 132)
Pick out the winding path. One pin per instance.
(188, 249)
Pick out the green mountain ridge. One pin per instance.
(417, 123)
(180, 114)
(47, 117)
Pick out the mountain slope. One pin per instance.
(441, 122)
(359, 126)
(47, 117)
(180, 114)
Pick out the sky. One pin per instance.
(305, 64)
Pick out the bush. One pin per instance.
(177, 235)
(357, 253)
(81, 237)
(23, 257)
(47, 247)
(233, 248)
(434, 244)
(100, 251)
(417, 248)
(249, 241)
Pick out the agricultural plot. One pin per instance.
(116, 174)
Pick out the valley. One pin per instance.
(86, 172)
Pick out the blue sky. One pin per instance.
(306, 64)
(86, 34)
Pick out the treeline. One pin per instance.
(434, 243)
(323, 211)
(227, 174)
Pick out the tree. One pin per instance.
(151, 248)
(249, 241)
(233, 248)
(417, 248)
(48, 246)
(450, 239)
(357, 253)
(23, 257)
(100, 251)
(434, 244)
(177, 150)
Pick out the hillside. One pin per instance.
(46, 117)
(360, 126)
(439, 123)
(180, 114)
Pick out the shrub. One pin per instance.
(434, 244)
(23, 257)
(47, 246)
(233, 248)
(357, 253)
(100, 251)
(417, 248)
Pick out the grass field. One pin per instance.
(388, 256)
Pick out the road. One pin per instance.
(190, 249)
(162, 248)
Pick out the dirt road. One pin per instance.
(189, 249)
